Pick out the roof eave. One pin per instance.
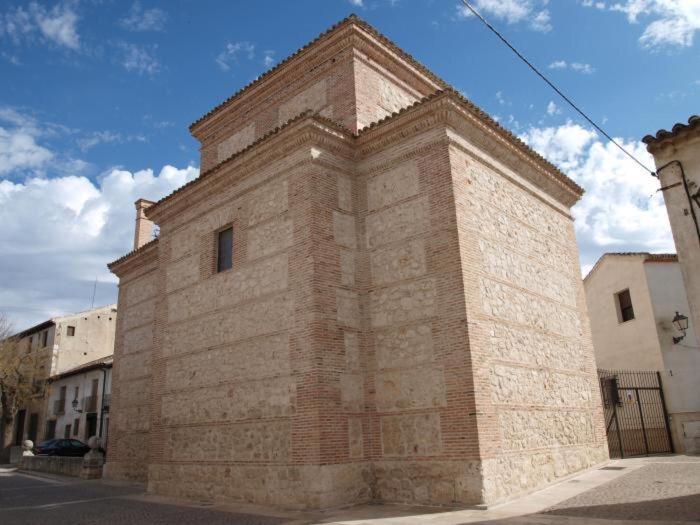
(327, 37)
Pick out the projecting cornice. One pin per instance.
(305, 130)
(450, 109)
(146, 254)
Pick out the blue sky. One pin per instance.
(97, 96)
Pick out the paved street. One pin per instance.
(662, 490)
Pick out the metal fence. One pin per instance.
(636, 420)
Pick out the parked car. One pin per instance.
(61, 447)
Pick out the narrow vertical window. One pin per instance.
(624, 304)
(71, 331)
(224, 255)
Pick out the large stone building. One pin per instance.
(632, 301)
(371, 292)
(677, 158)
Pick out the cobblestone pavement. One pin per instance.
(659, 490)
(663, 489)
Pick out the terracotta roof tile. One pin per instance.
(662, 134)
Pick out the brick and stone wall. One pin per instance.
(403, 320)
(528, 330)
(129, 427)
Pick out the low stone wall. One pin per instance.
(65, 466)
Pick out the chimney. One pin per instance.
(144, 228)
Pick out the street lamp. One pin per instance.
(680, 321)
(75, 405)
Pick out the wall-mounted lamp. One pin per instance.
(74, 404)
(680, 321)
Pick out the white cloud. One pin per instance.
(58, 235)
(357, 3)
(579, 67)
(106, 137)
(541, 22)
(586, 69)
(621, 210)
(553, 109)
(232, 52)
(19, 150)
(591, 3)
(138, 59)
(27, 24)
(669, 22)
(511, 12)
(269, 58)
(140, 19)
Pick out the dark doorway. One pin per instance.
(33, 427)
(636, 421)
(19, 426)
(90, 425)
(50, 432)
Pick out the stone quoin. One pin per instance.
(403, 319)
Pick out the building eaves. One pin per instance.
(664, 135)
(104, 362)
(488, 121)
(35, 328)
(132, 253)
(306, 115)
(648, 257)
(351, 19)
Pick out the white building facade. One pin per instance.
(78, 402)
(632, 300)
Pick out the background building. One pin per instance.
(60, 344)
(632, 299)
(677, 158)
(372, 291)
(89, 387)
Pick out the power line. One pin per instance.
(555, 88)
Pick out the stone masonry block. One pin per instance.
(411, 435)
(404, 346)
(398, 262)
(398, 222)
(403, 303)
(408, 389)
(397, 184)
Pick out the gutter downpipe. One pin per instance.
(102, 400)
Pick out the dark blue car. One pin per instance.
(61, 447)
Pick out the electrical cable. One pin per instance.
(555, 88)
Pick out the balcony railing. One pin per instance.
(90, 404)
(59, 407)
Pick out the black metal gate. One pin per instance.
(636, 421)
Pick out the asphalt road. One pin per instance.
(33, 500)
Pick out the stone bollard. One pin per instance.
(93, 460)
(27, 447)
